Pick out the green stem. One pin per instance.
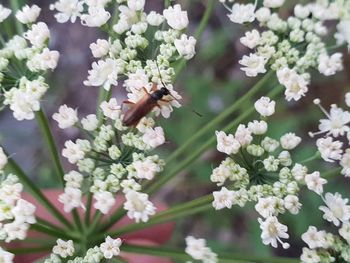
(202, 25)
(45, 129)
(48, 224)
(77, 220)
(210, 127)
(316, 156)
(95, 221)
(183, 257)
(52, 232)
(331, 173)
(15, 7)
(88, 209)
(103, 95)
(36, 193)
(30, 250)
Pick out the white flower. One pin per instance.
(243, 135)
(28, 14)
(347, 99)
(344, 162)
(111, 247)
(301, 11)
(72, 152)
(313, 238)
(23, 105)
(64, 248)
(186, 46)
(90, 122)
(330, 150)
(71, 198)
(227, 143)
(330, 65)
(100, 48)
(223, 198)
(175, 17)
(299, 172)
(253, 64)
(5, 257)
(38, 35)
(309, 256)
(145, 169)
(111, 109)
(314, 182)
(10, 193)
(15, 230)
(68, 10)
(241, 13)
(4, 13)
(337, 121)
(292, 204)
(251, 39)
(137, 80)
(103, 73)
(344, 231)
(265, 106)
(47, 59)
(154, 19)
(266, 207)
(257, 127)
(104, 201)
(296, 87)
(154, 137)
(198, 250)
(96, 17)
(336, 209)
(343, 34)
(66, 117)
(263, 14)
(136, 5)
(24, 212)
(3, 159)
(289, 141)
(273, 231)
(73, 179)
(273, 3)
(138, 206)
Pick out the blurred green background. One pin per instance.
(211, 82)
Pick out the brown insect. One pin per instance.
(145, 105)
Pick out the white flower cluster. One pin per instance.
(198, 250)
(336, 130)
(260, 169)
(16, 214)
(328, 247)
(141, 47)
(294, 46)
(65, 249)
(23, 59)
(113, 160)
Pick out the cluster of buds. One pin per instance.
(327, 247)
(295, 46)
(24, 59)
(260, 169)
(336, 130)
(16, 214)
(113, 159)
(141, 48)
(198, 250)
(64, 251)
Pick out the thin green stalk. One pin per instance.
(29, 250)
(15, 6)
(95, 221)
(210, 127)
(103, 95)
(48, 224)
(88, 209)
(316, 156)
(51, 232)
(183, 257)
(77, 220)
(45, 130)
(35, 191)
(202, 25)
(331, 173)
